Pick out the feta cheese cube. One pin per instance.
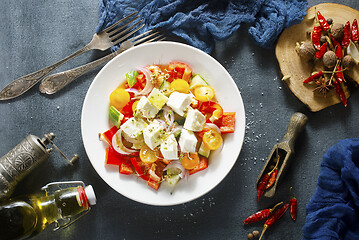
(146, 109)
(152, 134)
(179, 102)
(195, 120)
(169, 148)
(187, 141)
(157, 98)
(133, 128)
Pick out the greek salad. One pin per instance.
(166, 121)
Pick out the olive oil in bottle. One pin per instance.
(27, 216)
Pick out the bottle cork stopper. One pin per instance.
(90, 193)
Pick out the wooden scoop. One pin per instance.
(283, 151)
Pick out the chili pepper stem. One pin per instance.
(273, 208)
(276, 164)
(335, 71)
(335, 68)
(264, 229)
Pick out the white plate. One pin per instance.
(94, 120)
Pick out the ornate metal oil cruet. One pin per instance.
(23, 158)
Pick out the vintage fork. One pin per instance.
(55, 82)
(103, 40)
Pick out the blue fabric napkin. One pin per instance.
(333, 211)
(202, 22)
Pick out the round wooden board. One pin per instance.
(298, 69)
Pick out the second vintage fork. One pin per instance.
(57, 81)
(103, 40)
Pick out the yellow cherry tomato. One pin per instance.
(134, 105)
(190, 160)
(180, 85)
(212, 139)
(119, 98)
(147, 155)
(204, 93)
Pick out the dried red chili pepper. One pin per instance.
(274, 173)
(338, 48)
(272, 178)
(274, 218)
(339, 74)
(260, 215)
(262, 185)
(293, 206)
(346, 37)
(316, 34)
(340, 93)
(323, 22)
(314, 76)
(355, 33)
(319, 54)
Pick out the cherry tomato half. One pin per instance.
(147, 155)
(119, 98)
(190, 160)
(180, 85)
(212, 139)
(204, 93)
(134, 105)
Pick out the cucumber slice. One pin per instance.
(165, 88)
(204, 150)
(115, 116)
(173, 179)
(197, 81)
(131, 78)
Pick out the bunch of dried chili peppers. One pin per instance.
(329, 43)
(272, 215)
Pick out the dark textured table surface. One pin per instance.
(35, 33)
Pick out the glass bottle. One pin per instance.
(27, 216)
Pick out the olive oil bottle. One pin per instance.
(25, 217)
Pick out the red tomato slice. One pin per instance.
(178, 70)
(212, 110)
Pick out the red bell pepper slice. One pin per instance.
(158, 168)
(109, 134)
(141, 168)
(127, 109)
(121, 160)
(126, 167)
(113, 157)
(226, 122)
(179, 70)
(203, 164)
(153, 184)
